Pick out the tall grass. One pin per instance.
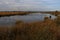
(46, 30)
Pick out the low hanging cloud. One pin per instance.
(29, 5)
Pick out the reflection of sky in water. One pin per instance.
(28, 18)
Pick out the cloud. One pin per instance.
(29, 5)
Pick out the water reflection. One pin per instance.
(26, 18)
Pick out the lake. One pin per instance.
(25, 18)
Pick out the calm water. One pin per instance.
(26, 18)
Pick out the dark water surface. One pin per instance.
(26, 18)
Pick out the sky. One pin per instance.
(29, 5)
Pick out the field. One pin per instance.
(41, 30)
(11, 13)
(46, 30)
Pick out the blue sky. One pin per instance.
(29, 5)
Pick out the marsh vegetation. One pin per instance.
(40, 30)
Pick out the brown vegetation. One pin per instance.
(45, 30)
(10, 13)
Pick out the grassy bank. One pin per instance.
(45, 30)
(11, 13)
